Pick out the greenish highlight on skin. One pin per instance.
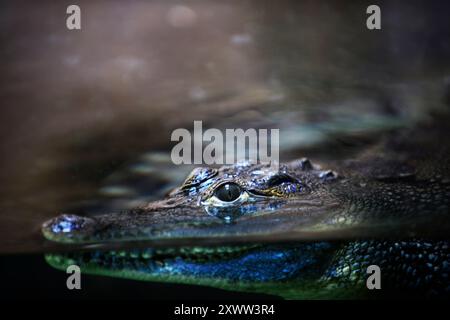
(287, 290)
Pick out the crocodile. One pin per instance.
(302, 229)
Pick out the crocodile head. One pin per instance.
(232, 201)
(248, 203)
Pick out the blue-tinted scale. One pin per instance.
(203, 174)
(291, 188)
(204, 185)
(261, 266)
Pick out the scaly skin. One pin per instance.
(383, 194)
(319, 270)
(295, 199)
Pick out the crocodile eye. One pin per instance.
(228, 192)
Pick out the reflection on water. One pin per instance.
(86, 116)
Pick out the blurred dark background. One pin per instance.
(78, 106)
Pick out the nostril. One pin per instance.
(66, 223)
(66, 227)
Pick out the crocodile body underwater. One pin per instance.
(298, 230)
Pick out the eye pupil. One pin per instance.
(228, 192)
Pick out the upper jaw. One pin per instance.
(164, 222)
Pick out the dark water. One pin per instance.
(86, 116)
